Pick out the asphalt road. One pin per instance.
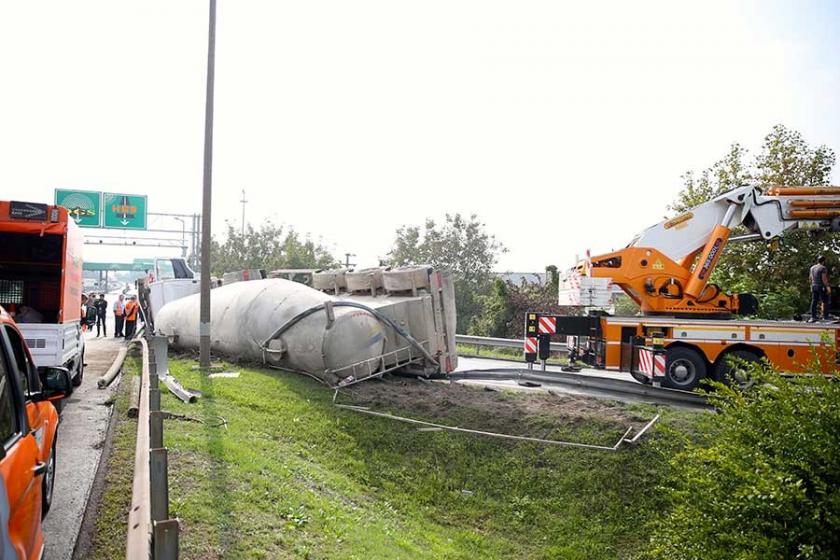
(472, 364)
(467, 363)
(81, 435)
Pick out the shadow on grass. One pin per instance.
(220, 482)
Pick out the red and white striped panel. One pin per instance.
(547, 325)
(531, 344)
(650, 364)
(659, 365)
(646, 362)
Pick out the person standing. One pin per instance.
(820, 290)
(101, 314)
(131, 309)
(119, 315)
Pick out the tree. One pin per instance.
(496, 313)
(269, 248)
(776, 275)
(460, 245)
(726, 174)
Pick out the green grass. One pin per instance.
(292, 476)
(471, 350)
(111, 521)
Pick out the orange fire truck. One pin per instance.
(41, 282)
(687, 328)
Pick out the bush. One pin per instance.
(766, 482)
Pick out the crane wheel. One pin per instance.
(736, 373)
(684, 368)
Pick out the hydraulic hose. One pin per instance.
(701, 299)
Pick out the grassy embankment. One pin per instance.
(291, 476)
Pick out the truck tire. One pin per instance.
(684, 368)
(48, 482)
(80, 371)
(737, 376)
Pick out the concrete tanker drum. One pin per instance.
(355, 336)
(246, 314)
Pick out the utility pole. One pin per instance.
(347, 260)
(204, 317)
(244, 201)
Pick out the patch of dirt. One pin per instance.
(508, 411)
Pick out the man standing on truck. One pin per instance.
(131, 309)
(820, 289)
(119, 316)
(101, 314)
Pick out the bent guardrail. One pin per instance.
(151, 533)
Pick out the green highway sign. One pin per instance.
(84, 206)
(124, 211)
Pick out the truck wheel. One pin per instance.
(48, 482)
(684, 368)
(80, 371)
(736, 375)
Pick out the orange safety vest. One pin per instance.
(131, 311)
(119, 308)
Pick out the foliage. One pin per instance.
(460, 245)
(626, 307)
(777, 275)
(268, 247)
(504, 309)
(495, 317)
(767, 484)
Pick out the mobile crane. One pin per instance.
(687, 328)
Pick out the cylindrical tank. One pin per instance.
(245, 314)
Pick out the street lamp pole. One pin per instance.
(204, 317)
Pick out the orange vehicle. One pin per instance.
(28, 428)
(688, 327)
(41, 281)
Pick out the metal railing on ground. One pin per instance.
(151, 533)
(486, 341)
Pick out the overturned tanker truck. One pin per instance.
(344, 327)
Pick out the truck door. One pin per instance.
(19, 464)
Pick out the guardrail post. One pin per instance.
(158, 473)
(155, 429)
(166, 539)
(154, 400)
(160, 347)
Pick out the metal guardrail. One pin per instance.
(151, 533)
(591, 383)
(518, 343)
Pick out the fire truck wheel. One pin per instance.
(80, 371)
(735, 373)
(684, 369)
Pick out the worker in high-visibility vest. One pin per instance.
(119, 316)
(131, 309)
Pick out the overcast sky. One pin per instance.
(563, 125)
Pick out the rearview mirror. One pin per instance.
(55, 382)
